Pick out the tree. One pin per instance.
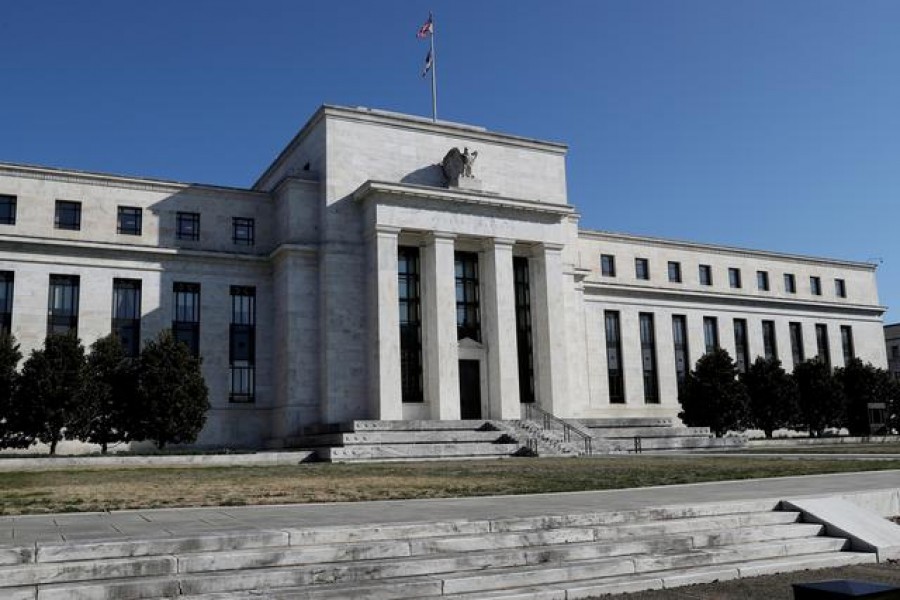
(174, 398)
(772, 395)
(712, 396)
(864, 384)
(48, 389)
(819, 396)
(10, 434)
(107, 395)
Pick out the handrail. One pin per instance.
(549, 421)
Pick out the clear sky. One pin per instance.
(771, 124)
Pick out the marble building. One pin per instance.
(388, 267)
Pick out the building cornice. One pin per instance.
(371, 189)
(123, 251)
(120, 181)
(716, 297)
(410, 123)
(610, 236)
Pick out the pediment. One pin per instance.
(470, 344)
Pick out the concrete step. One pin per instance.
(414, 451)
(455, 436)
(649, 432)
(358, 562)
(423, 425)
(593, 588)
(427, 588)
(664, 422)
(564, 544)
(676, 443)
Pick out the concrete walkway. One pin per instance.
(144, 524)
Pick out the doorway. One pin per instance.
(469, 389)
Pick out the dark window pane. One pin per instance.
(187, 226)
(468, 317)
(614, 358)
(524, 340)
(68, 215)
(7, 210)
(608, 265)
(243, 233)
(126, 323)
(62, 310)
(129, 220)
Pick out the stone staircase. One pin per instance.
(537, 434)
(540, 558)
(359, 441)
(637, 434)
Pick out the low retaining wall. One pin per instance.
(172, 460)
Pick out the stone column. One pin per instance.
(548, 326)
(440, 354)
(387, 402)
(499, 326)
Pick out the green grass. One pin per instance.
(111, 488)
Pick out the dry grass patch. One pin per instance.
(110, 489)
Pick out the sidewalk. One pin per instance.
(144, 524)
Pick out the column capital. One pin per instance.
(443, 236)
(547, 248)
(382, 231)
(506, 243)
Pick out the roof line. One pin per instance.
(628, 237)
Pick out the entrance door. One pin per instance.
(469, 389)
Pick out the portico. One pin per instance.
(457, 294)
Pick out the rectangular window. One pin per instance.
(126, 321)
(770, 345)
(608, 265)
(524, 340)
(62, 309)
(679, 335)
(815, 285)
(734, 277)
(790, 284)
(648, 358)
(674, 271)
(614, 358)
(762, 281)
(822, 343)
(797, 352)
(468, 312)
(840, 288)
(6, 301)
(642, 268)
(186, 324)
(706, 275)
(187, 226)
(68, 215)
(129, 220)
(711, 333)
(242, 231)
(847, 343)
(242, 344)
(741, 353)
(7, 209)
(409, 295)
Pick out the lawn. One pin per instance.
(109, 489)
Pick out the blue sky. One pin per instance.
(770, 124)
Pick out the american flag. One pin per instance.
(426, 28)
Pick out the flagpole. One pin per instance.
(433, 76)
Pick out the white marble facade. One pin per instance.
(330, 217)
